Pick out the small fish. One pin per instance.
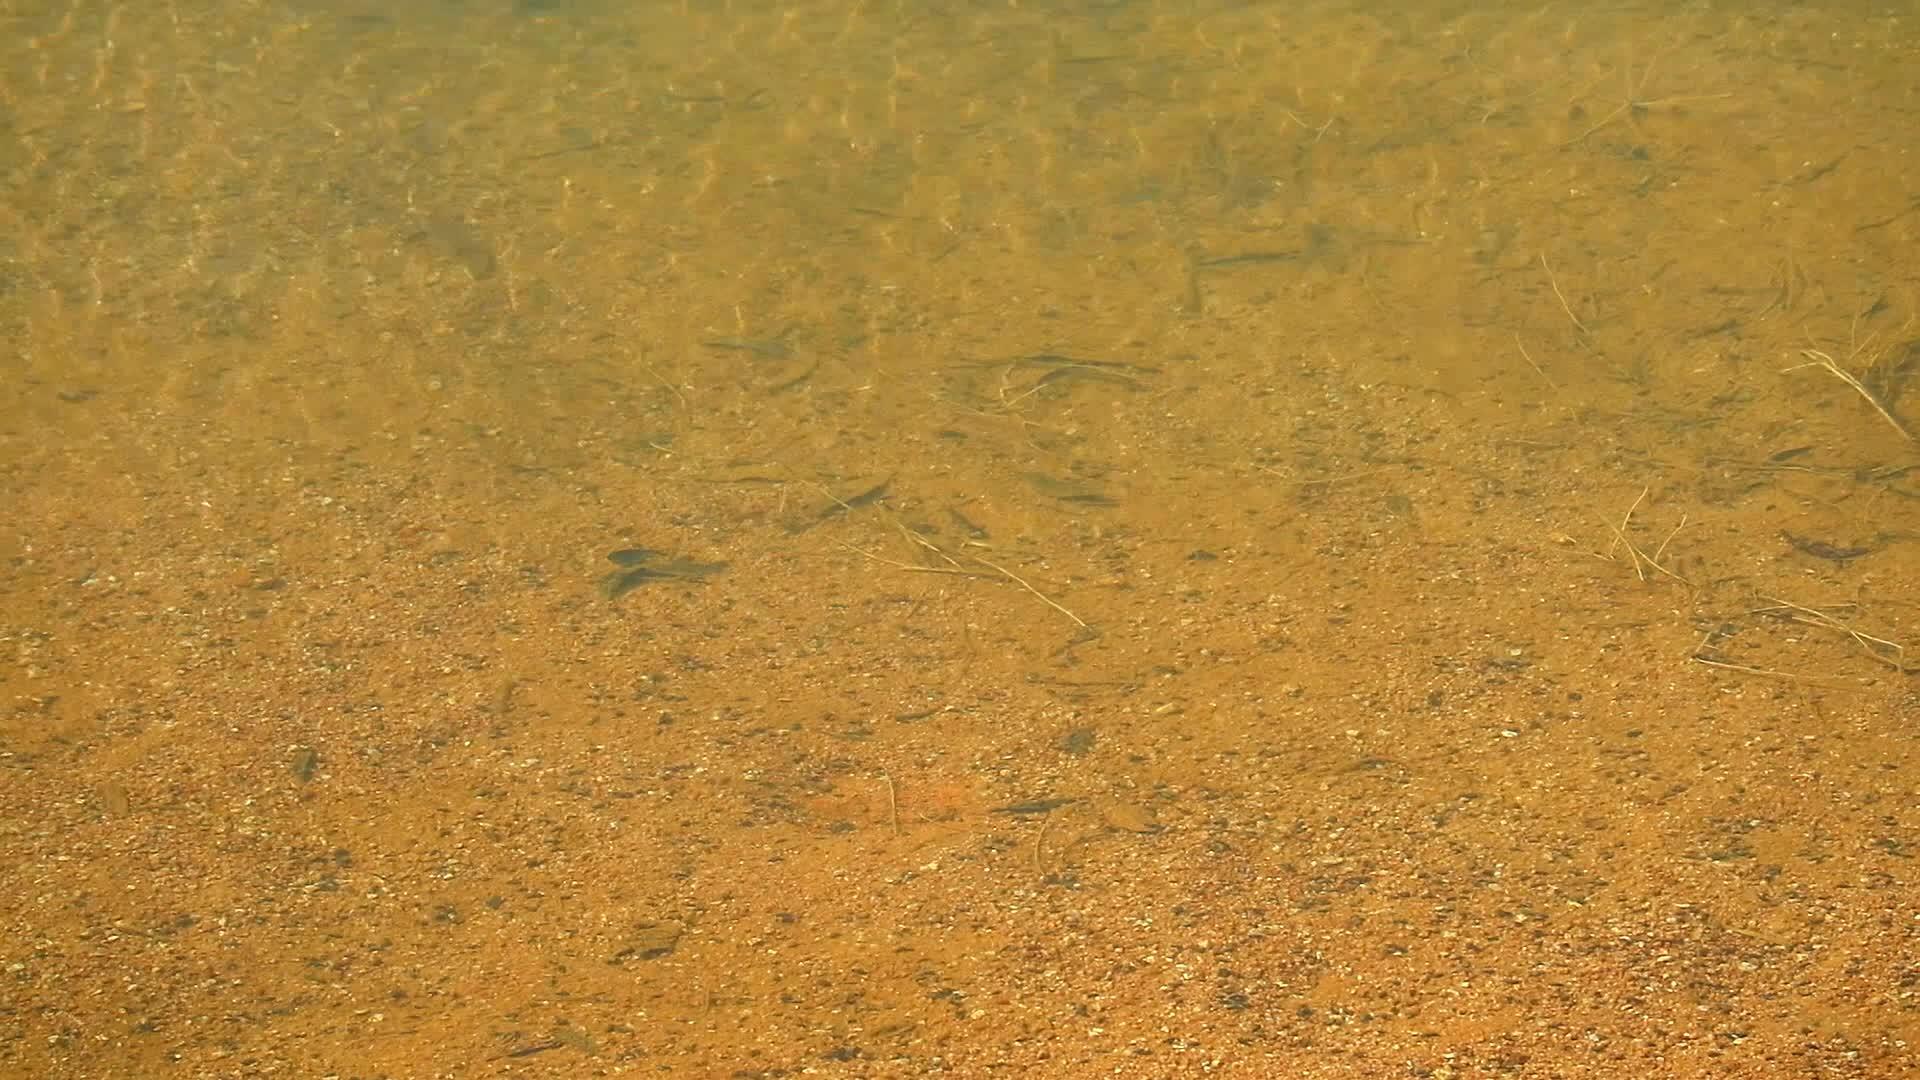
(645, 564)
(1034, 806)
(1820, 549)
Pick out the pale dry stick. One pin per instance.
(953, 565)
(1009, 402)
(1638, 556)
(1052, 373)
(1562, 297)
(957, 571)
(1876, 647)
(1528, 357)
(1706, 645)
(657, 377)
(1619, 534)
(893, 803)
(1819, 359)
(1039, 840)
(1317, 131)
(1317, 480)
(1632, 103)
(955, 568)
(1006, 376)
(1632, 552)
(845, 506)
(1662, 549)
(1824, 680)
(1022, 582)
(960, 571)
(1680, 99)
(915, 538)
(1657, 565)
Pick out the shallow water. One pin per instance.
(851, 539)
